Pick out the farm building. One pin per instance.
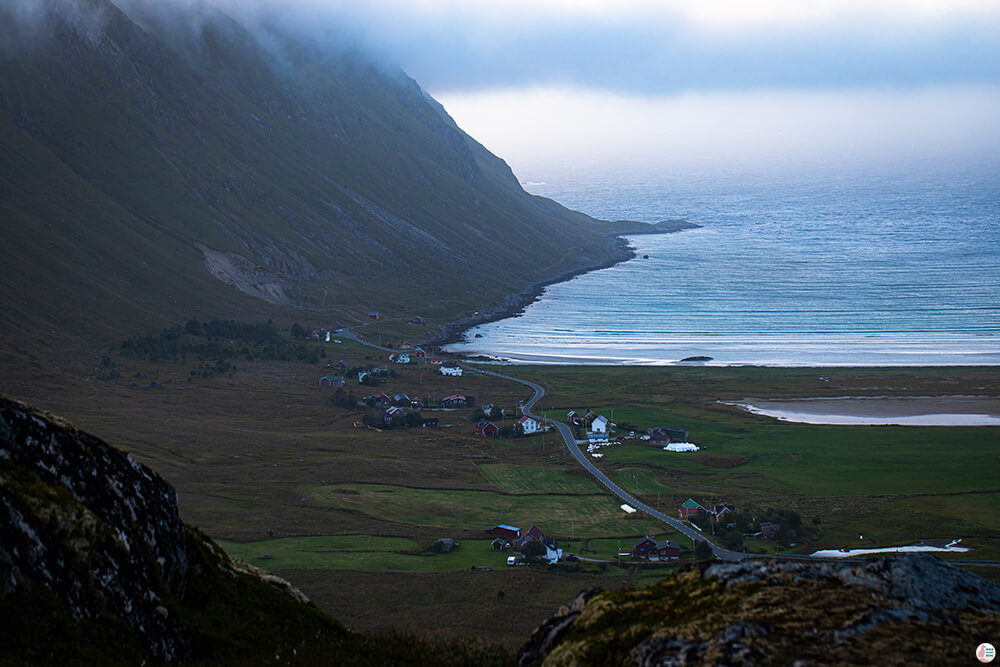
(499, 544)
(689, 508)
(453, 401)
(379, 400)
(649, 549)
(770, 531)
(392, 412)
(719, 511)
(668, 434)
(526, 425)
(505, 531)
(598, 430)
(599, 425)
(487, 429)
(331, 381)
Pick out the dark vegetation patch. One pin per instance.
(219, 341)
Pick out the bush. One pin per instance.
(703, 551)
(732, 539)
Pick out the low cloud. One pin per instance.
(544, 128)
(644, 47)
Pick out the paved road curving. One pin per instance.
(574, 449)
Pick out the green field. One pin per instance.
(527, 479)
(266, 465)
(597, 514)
(363, 553)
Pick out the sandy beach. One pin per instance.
(918, 411)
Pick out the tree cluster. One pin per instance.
(344, 399)
(220, 340)
(406, 420)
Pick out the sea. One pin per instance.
(816, 265)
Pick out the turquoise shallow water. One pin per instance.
(827, 267)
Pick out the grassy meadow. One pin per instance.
(264, 462)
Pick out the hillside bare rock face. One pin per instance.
(909, 609)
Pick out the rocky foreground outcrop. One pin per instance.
(911, 609)
(89, 524)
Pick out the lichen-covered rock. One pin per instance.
(86, 522)
(911, 609)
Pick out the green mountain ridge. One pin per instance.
(145, 149)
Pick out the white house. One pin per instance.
(401, 358)
(452, 370)
(598, 430)
(527, 425)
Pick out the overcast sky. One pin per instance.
(544, 82)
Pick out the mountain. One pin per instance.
(169, 163)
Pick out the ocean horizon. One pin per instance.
(826, 266)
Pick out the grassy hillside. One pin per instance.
(138, 145)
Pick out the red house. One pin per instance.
(690, 508)
(649, 549)
(487, 429)
(505, 531)
(770, 531)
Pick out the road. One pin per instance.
(574, 449)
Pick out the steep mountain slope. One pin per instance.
(143, 150)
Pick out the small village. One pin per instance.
(531, 547)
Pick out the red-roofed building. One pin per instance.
(453, 401)
(487, 429)
(505, 531)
